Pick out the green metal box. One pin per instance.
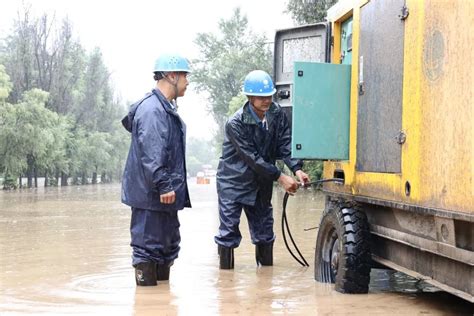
(321, 99)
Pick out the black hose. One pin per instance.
(284, 222)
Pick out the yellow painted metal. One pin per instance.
(438, 110)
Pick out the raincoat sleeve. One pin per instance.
(153, 134)
(284, 145)
(244, 146)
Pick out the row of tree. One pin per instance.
(58, 115)
(60, 118)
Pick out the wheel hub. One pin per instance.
(335, 252)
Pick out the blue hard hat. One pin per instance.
(171, 62)
(258, 83)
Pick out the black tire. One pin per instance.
(343, 249)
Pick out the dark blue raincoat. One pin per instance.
(155, 165)
(156, 160)
(247, 170)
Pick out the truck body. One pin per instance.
(383, 93)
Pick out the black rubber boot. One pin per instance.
(145, 274)
(162, 272)
(264, 254)
(226, 257)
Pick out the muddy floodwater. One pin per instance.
(66, 251)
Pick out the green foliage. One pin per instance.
(5, 84)
(314, 168)
(12, 152)
(199, 152)
(225, 59)
(193, 165)
(58, 114)
(236, 103)
(309, 11)
(9, 183)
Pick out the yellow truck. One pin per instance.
(384, 94)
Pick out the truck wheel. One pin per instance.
(343, 249)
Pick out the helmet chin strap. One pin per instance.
(175, 88)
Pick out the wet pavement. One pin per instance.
(66, 251)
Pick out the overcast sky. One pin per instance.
(131, 34)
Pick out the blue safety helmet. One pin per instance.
(258, 83)
(171, 62)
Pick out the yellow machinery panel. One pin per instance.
(437, 135)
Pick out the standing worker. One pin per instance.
(255, 137)
(154, 181)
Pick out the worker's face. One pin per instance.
(261, 104)
(182, 82)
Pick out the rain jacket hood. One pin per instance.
(128, 119)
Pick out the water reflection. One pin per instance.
(66, 251)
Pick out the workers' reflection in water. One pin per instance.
(154, 300)
(240, 291)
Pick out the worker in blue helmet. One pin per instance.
(255, 137)
(154, 180)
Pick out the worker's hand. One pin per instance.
(303, 177)
(288, 183)
(168, 198)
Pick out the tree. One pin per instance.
(120, 141)
(225, 59)
(11, 161)
(236, 103)
(5, 84)
(36, 126)
(58, 113)
(199, 152)
(12, 157)
(309, 11)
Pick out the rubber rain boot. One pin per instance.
(226, 257)
(264, 254)
(162, 272)
(145, 274)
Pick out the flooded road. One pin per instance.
(66, 251)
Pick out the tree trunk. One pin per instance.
(20, 184)
(94, 177)
(84, 178)
(36, 176)
(46, 180)
(64, 179)
(29, 171)
(103, 178)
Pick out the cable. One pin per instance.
(284, 222)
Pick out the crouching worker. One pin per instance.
(255, 136)
(154, 180)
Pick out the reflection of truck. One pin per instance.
(392, 115)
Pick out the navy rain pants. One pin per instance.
(155, 236)
(259, 217)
